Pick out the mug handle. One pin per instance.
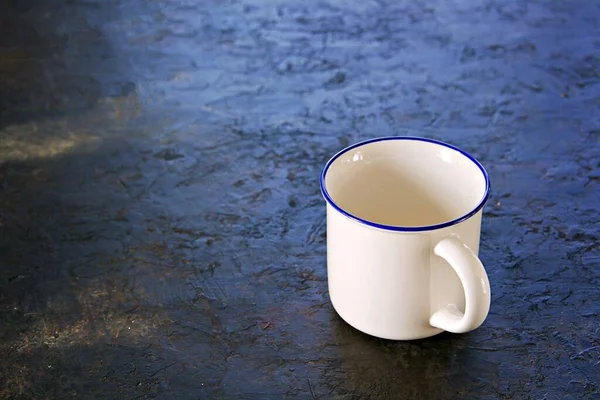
(475, 283)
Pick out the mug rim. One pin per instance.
(398, 228)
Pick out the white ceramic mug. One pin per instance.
(403, 226)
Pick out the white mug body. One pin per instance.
(403, 230)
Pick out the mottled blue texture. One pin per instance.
(162, 231)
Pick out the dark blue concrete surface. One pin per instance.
(162, 234)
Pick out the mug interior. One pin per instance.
(404, 183)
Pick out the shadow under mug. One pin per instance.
(403, 227)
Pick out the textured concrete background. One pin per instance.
(161, 226)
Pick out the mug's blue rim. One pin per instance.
(397, 228)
